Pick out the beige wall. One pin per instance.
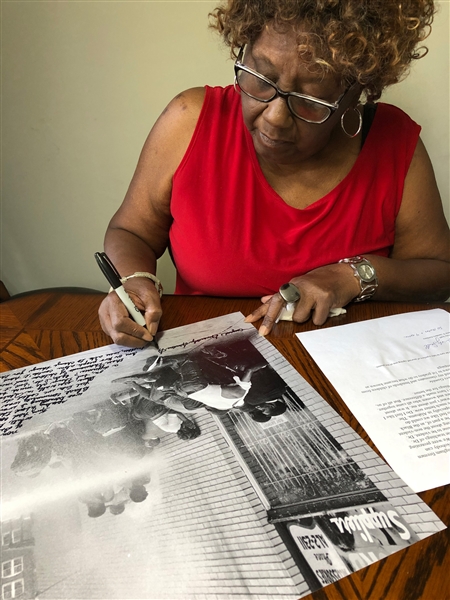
(83, 82)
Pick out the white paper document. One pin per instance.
(119, 483)
(394, 375)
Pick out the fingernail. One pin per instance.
(247, 319)
(263, 330)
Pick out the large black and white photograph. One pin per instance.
(202, 466)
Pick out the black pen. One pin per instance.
(113, 277)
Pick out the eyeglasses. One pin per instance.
(258, 87)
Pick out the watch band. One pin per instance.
(368, 281)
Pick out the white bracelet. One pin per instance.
(156, 281)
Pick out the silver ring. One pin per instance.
(289, 293)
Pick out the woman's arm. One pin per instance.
(419, 265)
(418, 268)
(139, 231)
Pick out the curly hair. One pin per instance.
(371, 42)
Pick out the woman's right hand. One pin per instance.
(115, 318)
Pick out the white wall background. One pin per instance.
(82, 84)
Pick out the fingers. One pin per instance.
(256, 314)
(303, 310)
(268, 311)
(320, 314)
(324, 288)
(117, 323)
(259, 312)
(271, 317)
(152, 317)
(146, 298)
(125, 332)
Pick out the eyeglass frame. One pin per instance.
(332, 106)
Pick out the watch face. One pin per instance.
(366, 272)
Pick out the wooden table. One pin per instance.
(50, 324)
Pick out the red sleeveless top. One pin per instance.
(233, 235)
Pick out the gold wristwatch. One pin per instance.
(365, 272)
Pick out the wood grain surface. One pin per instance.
(48, 324)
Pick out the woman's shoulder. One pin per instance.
(190, 99)
(187, 106)
(393, 130)
(168, 140)
(391, 115)
(176, 125)
(183, 110)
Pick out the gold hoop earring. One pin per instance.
(351, 135)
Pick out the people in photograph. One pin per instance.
(78, 447)
(267, 386)
(189, 430)
(56, 447)
(128, 491)
(156, 382)
(96, 510)
(218, 380)
(158, 419)
(213, 378)
(237, 362)
(116, 509)
(244, 368)
(96, 500)
(219, 397)
(233, 356)
(138, 492)
(34, 453)
(296, 174)
(191, 391)
(264, 412)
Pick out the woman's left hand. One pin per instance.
(322, 289)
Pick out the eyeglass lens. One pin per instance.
(259, 89)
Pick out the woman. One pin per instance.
(290, 179)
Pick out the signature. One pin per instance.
(438, 341)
